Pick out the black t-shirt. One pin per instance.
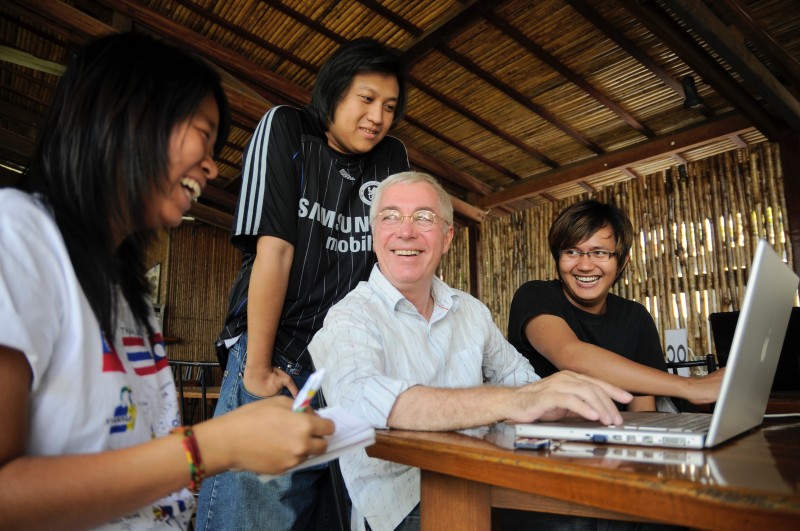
(626, 328)
(295, 187)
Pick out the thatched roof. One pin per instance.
(511, 103)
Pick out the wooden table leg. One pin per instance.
(447, 502)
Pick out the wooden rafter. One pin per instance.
(760, 37)
(665, 28)
(569, 74)
(447, 26)
(630, 48)
(463, 148)
(682, 140)
(523, 100)
(736, 54)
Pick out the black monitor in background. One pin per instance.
(787, 376)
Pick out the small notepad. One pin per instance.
(351, 434)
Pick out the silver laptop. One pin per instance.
(746, 384)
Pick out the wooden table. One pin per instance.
(750, 482)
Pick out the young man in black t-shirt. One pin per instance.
(575, 323)
(302, 223)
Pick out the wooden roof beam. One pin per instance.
(460, 109)
(666, 29)
(15, 147)
(736, 139)
(630, 48)
(736, 54)
(571, 76)
(455, 21)
(761, 39)
(674, 142)
(453, 175)
(679, 158)
(465, 149)
(392, 17)
(523, 100)
(255, 39)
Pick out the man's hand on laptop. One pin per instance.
(566, 393)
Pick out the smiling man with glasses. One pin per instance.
(404, 350)
(575, 323)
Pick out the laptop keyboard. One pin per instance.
(681, 422)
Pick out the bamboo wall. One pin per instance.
(695, 236)
(454, 268)
(198, 265)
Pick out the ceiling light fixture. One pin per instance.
(692, 99)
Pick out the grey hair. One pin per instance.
(411, 177)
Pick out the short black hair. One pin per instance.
(355, 57)
(580, 221)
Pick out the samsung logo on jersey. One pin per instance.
(329, 218)
(346, 175)
(350, 245)
(358, 225)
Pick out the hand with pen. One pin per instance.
(267, 436)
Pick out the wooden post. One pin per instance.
(790, 164)
(474, 231)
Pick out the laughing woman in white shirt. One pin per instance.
(90, 434)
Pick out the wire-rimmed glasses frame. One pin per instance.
(423, 220)
(595, 255)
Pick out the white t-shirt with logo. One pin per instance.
(87, 394)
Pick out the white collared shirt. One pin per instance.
(374, 345)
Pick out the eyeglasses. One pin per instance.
(423, 220)
(598, 255)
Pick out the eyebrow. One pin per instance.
(373, 91)
(211, 122)
(416, 209)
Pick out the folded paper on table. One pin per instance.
(351, 434)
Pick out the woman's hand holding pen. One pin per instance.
(245, 439)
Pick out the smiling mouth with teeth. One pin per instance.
(406, 252)
(587, 279)
(192, 186)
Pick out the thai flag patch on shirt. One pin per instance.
(111, 361)
(142, 360)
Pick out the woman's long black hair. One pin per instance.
(103, 151)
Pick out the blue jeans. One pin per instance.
(239, 500)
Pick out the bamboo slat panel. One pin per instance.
(157, 253)
(202, 267)
(454, 268)
(695, 227)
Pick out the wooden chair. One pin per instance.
(193, 380)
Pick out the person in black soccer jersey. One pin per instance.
(302, 223)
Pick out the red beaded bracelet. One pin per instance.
(196, 468)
